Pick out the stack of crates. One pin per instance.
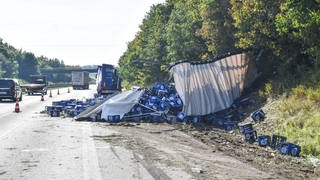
(71, 107)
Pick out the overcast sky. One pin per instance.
(80, 32)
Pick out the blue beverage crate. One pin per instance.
(290, 149)
(245, 127)
(250, 136)
(113, 118)
(258, 116)
(181, 117)
(264, 141)
(228, 125)
(276, 141)
(54, 113)
(156, 118)
(196, 119)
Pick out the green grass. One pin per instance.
(298, 118)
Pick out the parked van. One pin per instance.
(10, 89)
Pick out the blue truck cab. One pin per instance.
(108, 81)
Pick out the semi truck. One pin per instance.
(108, 81)
(80, 79)
(37, 85)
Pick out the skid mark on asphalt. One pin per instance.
(155, 172)
(115, 153)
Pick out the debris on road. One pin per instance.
(70, 108)
(197, 170)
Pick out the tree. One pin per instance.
(8, 64)
(183, 43)
(254, 20)
(299, 21)
(28, 65)
(217, 26)
(149, 44)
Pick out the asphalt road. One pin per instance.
(35, 146)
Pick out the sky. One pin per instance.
(79, 32)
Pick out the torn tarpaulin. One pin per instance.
(121, 103)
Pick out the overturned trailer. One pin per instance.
(212, 86)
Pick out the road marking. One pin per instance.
(91, 168)
(35, 150)
(102, 147)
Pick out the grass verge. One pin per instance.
(298, 117)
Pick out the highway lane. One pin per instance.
(35, 146)
(29, 106)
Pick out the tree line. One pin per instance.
(288, 32)
(16, 63)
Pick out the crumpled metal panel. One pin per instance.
(213, 86)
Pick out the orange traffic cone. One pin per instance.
(17, 108)
(42, 98)
(58, 92)
(50, 95)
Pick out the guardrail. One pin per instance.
(59, 85)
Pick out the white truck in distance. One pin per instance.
(80, 80)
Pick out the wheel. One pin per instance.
(20, 99)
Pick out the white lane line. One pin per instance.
(91, 168)
(103, 147)
(35, 150)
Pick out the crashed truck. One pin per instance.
(108, 80)
(203, 87)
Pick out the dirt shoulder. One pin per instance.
(219, 154)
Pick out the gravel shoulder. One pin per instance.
(175, 147)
